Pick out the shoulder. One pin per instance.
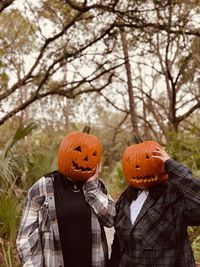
(95, 184)
(38, 189)
(102, 186)
(123, 198)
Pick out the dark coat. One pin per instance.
(159, 237)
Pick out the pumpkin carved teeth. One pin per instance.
(79, 168)
(144, 179)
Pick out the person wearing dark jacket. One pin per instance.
(151, 223)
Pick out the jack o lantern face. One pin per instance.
(78, 156)
(139, 168)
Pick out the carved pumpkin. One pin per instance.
(79, 154)
(139, 168)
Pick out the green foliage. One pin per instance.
(40, 163)
(8, 169)
(194, 233)
(20, 133)
(54, 10)
(185, 148)
(115, 179)
(13, 162)
(12, 166)
(4, 79)
(9, 219)
(16, 32)
(196, 247)
(9, 216)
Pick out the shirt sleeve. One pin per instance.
(28, 239)
(101, 202)
(188, 187)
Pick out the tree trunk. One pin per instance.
(129, 83)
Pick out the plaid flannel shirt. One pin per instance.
(38, 241)
(159, 237)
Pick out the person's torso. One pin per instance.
(74, 221)
(158, 237)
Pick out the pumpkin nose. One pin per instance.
(86, 158)
(137, 167)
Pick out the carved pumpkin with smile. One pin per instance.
(140, 169)
(79, 154)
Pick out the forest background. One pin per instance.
(124, 67)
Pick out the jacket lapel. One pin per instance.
(127, 214)
(147, 204)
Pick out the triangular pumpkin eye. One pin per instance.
(78, 148)
(94, 154)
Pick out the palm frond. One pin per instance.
(20, 133)
(9, 216)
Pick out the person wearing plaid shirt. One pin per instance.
(38, 241)
(157, 236)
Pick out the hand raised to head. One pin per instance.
(96, 174)
(161, 154)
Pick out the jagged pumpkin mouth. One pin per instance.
(80, 168)
(144, 179)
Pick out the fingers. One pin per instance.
(96, 174)
(161, 154)
(99, 167)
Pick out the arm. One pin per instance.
(29, 240)
(180, 176)
(189, 187)
(101, 202)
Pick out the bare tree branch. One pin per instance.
(85, 8)
(189, 112)
(4, 4)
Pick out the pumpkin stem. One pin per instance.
(137, 139)
(86, 129)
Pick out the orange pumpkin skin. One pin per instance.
(140, 169)
(78, 155)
